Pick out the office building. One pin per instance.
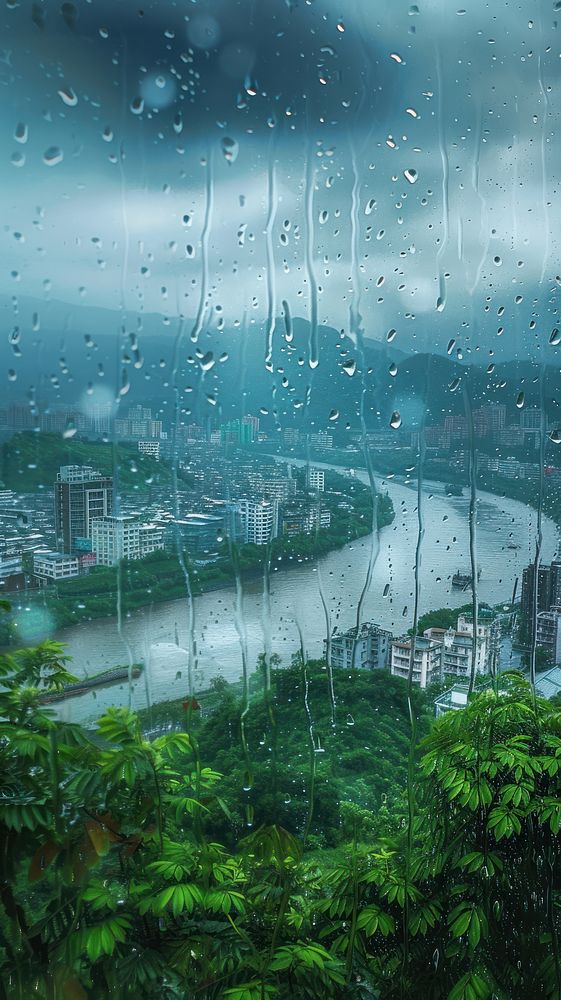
(548, 634)
(52, 567)
(123, 537)
(548, 591)
(315, 479)
(81, 495)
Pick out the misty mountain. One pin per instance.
(87, 355)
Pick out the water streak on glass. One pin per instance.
(472, 521)
(270, 254)
(309, 187)
(539, 534)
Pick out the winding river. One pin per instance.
(158, 635)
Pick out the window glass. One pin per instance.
(280, 625)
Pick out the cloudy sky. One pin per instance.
(215, 158)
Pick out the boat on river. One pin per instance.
(462, 580)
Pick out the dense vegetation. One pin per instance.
(403, 461)
(123, 873)
(160, 576)
(357, 748)
(29, 462)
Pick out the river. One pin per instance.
(158, 635)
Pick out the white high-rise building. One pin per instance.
(315, 478)
(427, 659)
(122, 537)
(259, 519)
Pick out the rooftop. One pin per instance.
(421, 642)
(54, 556)
(456, 697)
(549, 683)
(365, 629)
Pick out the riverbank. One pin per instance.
(103, 679)
(159, 578)
(226, 632)
(389, 465)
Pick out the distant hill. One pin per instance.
(29, 462)
(224, 374)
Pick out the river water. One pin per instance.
(158, 635)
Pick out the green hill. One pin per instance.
(29, 462)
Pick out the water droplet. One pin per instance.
(207, 361)
(334, 414)
(395, 420)
(370, 206)
(391, 335)
(52, 156)
(555, 337)
(18, 159)
(520, 400)
(349, 366)
(451, 346)
(412, 112)
(323, 217)
(497, 261)
(288, 334)
(410, 175)
(350, 720)
(396, 57)
(68, 96)
(137, 105)
(555, 437)
(340, 26)
(454, 384)
(21, 133)
(230, 149)
(393, 369)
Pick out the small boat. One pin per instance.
(462, 581)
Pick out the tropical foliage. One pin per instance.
(114, 884)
